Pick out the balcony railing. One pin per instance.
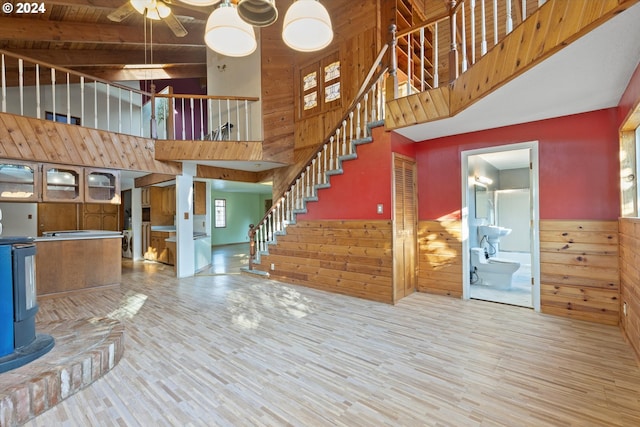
(32, 88)
(445, 46)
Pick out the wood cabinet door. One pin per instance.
(200, 198)
(92, 221)
(57, 216)
(110, 222)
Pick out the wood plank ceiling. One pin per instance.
(77, 34)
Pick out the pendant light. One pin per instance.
(200, 2)
(307, 26)
(227, 34)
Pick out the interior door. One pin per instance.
(404, 226)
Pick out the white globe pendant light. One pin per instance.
(307, 26)
(227, 34)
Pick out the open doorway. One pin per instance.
(500, 225)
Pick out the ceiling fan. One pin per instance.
(152, 9)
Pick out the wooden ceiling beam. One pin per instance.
(78, 57)
(18, 29)
(198, 12)
(169, 72)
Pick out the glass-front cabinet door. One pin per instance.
(19, 181)
(62, 183)
(102, 186)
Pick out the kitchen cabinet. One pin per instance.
(98, 216)
(62, 183)
(145, 197)
(159, 211)
(19, 181)
(199, 198)
(169, 200)
(57, 216)
(158, 250)
(102, 186)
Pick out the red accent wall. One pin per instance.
(630, 96)
(365, 183)
(578, 166)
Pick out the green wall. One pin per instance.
(242, 209)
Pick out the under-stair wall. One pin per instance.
(340, 243)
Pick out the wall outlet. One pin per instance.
(273, 266)
(380, 209)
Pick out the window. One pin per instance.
(319, 88)
(220, 214)
(62, 118)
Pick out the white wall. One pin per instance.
(19, 219)
(237, 77)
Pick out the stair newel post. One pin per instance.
(252, 245)
(325, 157)
(319, 168)
(453, 52)
(358, 124)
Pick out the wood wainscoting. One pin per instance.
(630, 280)
(347, 257)
(579, 272)
(440, 257)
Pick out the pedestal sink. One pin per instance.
(493, 232)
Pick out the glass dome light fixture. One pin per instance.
(199, 2)
(307, 26)
(227, 34)
(152, 9)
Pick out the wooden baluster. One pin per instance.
(472, 12)
(21, 86)
(319, 168)
(464, 39)
(4, 86)
(453, 52)
(509, 23)
(298, 196)
(38, 106)
(130, 109)
(409, 65)
(53, 95)
(119, 108)
(313, 177)
(483, 29)
(325, 157)
(246, 120)
(350, 130)
(331, 153)
(344, 137)
(307, 188)
(358, 107)
(495, 22)
(201, 120)
(436, 80)
(422, 59)
(108, 108)
(365, 120)
(229, 118)
(524, 10)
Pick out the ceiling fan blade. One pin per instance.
(175, 25)
(121, 13)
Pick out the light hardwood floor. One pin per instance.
(233, 350)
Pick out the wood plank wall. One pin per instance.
(440, 257)
(26, 138)
(579, 273)
(630, 280)
(346, 257)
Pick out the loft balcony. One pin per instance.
(559, 58)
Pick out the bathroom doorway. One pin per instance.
(500, 245)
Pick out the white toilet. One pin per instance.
(494, 272)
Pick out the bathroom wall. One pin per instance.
(478, 214)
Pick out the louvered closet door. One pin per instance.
(404, 223)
